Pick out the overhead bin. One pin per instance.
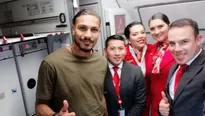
(35, 9)
(175, 10)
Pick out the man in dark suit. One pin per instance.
(185, 90)
(124, 83)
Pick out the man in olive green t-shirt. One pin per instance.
(74, 74)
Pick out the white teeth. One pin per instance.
(141, 41)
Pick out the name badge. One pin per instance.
(121, 112)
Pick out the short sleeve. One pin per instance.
(46, 81)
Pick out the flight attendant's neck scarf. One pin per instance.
(157, 58)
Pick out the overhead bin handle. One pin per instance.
(21, 37)
(5, 40)
(62, 25)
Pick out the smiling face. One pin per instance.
(137, 36)
(159, 30)
(86, 31)
(115, 51)
(183, 43)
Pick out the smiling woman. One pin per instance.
(138, 53)
(161, 57)
(159, 25)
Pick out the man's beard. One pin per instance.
(82, 49)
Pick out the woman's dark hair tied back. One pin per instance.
(127, 28)
(161, 16)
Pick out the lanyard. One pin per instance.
(117, 90)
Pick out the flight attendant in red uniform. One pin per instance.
(138, 52)
(162, 59)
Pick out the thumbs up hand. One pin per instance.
(164, 106)
(64, 110)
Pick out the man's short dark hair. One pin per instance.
(85, 12)
(186, 22)
(113, 37)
